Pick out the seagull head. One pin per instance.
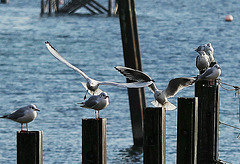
(217, 66)
(104, 95)
(33, 107)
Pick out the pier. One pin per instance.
(71, 6)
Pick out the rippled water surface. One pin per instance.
(168, 32)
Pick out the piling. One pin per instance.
(187, 128)
(29, 147)
(132, 59)
(154, 142)
(94, 141)
(110, 4)
(208, 121)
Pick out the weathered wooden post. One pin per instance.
(29, 147)
(208, 121)
(94, 141)
(50, 6)
(42, 7)
(132, 59)
(187, 128)
(154, 142)
(110, 7)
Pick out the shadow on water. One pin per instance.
(131, 155)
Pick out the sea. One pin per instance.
(168, 31)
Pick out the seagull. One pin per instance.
(96, 102)
(208, 49)
(211, 73)
(161, 96)
(23, 115)
(202, 61)
(92, 86)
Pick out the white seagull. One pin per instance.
(97, 102)
(23, 115)
(92, 85)
(211, 73)
(161, 96)
(202, 61)
(208, 48)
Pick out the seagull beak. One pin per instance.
(37, 110)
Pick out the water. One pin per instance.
(168, 32)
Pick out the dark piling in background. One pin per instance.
(29, 147)
(94, 141)
(154, 147)
(132, 59)
(187, 127)
(208, 121)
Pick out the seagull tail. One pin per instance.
(156, 103)
(4, 116)
(169, 106)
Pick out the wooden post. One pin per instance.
(187, 127)
(154, 142)
(42, 7)
(50, 7)
(132, 59)
(57, 6)
(94, 141)
(29, 147)
(208, 121)
(109, 7)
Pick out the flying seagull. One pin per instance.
(161, 96)
(23, 115)
(92, 86)
(96, 102)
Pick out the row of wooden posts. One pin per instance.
(197, 133)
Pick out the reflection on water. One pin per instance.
(131, 155)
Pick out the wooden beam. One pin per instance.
(29, 147)
(94, 141)
(132, 59)
(187, 128)
(154, 143)
(208, 121)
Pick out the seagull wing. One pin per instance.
(17, 114)
(175, 85)
(133, 74)
(206, 73)
(127, 85)
(60, 58)
(91, 102)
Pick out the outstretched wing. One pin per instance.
(133, 74)
(177, 84)
(60, 58)
(127, 85)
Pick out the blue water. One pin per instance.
(168, 32)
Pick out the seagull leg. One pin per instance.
(21, 127)
(95, 114)
(27, 126)
(85, 96)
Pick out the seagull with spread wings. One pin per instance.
(91, 85)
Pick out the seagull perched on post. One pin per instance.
(202, 61)
(92, 86)
(161, 96)
(211, 73)
(23, 115)
(96, 102)
(208, 49)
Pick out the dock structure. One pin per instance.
(71, 6)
